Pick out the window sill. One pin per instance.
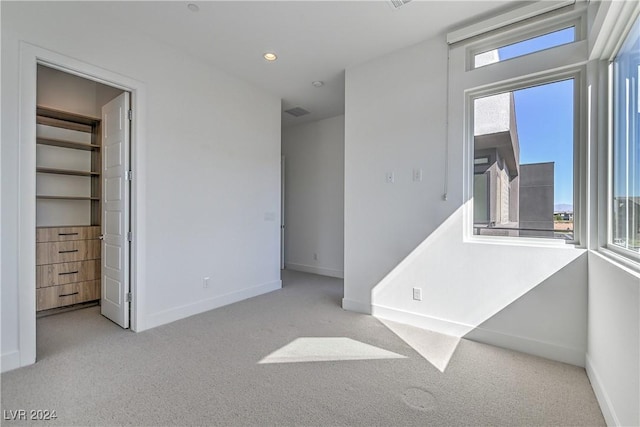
(523, 241)
(619, 259)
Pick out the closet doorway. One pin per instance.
(83, 195)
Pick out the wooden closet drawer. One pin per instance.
(63, 234)
(67, 272)
(89, 291)
(73, 293)
(76, 250)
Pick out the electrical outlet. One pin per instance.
(417, 175)
(315, 256)
(417, 294)
(205, 282)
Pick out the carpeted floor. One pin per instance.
(205, 370)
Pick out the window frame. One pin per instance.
(577, 75)
(466, 83)
(526, 30)
(623, 254)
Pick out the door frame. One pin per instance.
(30, 57)
(282, 213)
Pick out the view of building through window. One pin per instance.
(625, 203)
(523, 162)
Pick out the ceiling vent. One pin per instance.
(297, 111)
(397, 4)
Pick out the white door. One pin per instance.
(115, 210)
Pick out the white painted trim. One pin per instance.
(630, 267)
(560, 353)
(177, 313)
(505, 19)
(10, 361)
(30, 56)
(522, 344)
(27, 205)
(356, 306)
(612, 23)
(600, 391)
(315, 270)
(443, 326)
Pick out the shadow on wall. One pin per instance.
(527, 298)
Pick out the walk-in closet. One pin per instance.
(70, 190)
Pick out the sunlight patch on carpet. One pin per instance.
(434, 347)
(325, 349)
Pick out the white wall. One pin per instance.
(314, 196)
(392, 125)
(212, 167)
(613, 355)
(402, 235)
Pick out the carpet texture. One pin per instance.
(204, 370)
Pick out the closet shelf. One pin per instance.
(66, 116)
(67, 197)
(67, 144)
(67, 172)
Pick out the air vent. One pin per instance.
(398, 3)
(297, 111)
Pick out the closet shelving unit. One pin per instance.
(76, 122)
(68, 255)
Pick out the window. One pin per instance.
(523, 162)
(525, 47)
(522, 125)
(624, 208)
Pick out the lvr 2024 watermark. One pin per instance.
(29, 414)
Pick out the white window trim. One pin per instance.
(526, 31)
(624, 22)
(553, 64)
(505, 19)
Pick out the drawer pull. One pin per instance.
(68, 295)
(67, 234)
(67, 252)
(68, 272)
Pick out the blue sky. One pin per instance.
(544, 117)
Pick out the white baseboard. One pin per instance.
(601, 394)
(315, 270)
(435, 324)
(9, 361)
(487, 336)
(187, 310)
(545, 349)
(357, 306)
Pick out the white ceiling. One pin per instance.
(314, 40)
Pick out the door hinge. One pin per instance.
(128, 297)
(129, 175)
(130, 114)
(130, 236)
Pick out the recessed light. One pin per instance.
(318, 83)
(270, 56)
(193, 7)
